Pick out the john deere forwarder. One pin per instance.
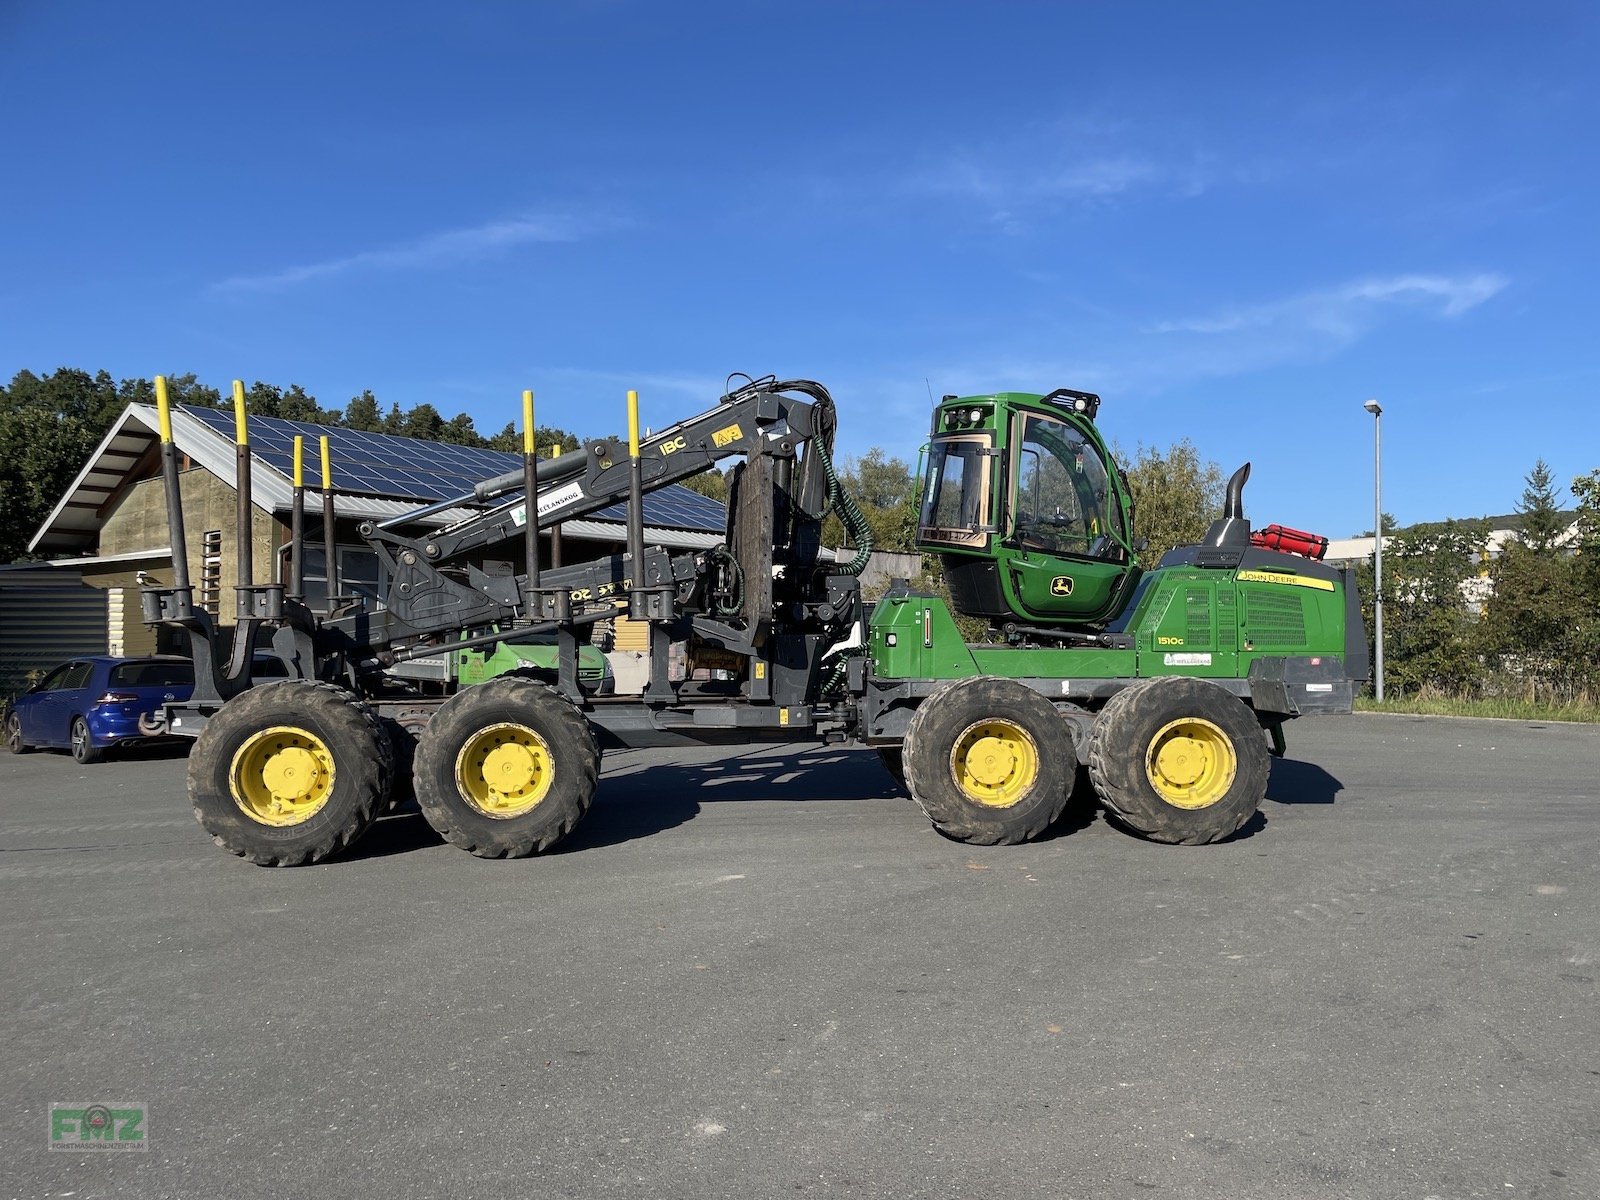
(1171, 685)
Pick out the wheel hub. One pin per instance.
(1191, 763)
(994, 763)
(505, 770)
(282, 776)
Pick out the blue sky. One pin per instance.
(1235, 221)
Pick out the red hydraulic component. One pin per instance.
(1290, 541)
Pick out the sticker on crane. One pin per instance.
(1187, 660)
(1322, 585)
(1061, 585)
(558, 498)
(723, 437)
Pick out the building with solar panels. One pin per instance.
(112, 526)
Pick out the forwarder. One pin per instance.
(1170, 685)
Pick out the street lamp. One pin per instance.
(1376, 409)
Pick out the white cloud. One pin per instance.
(1087, 180)
(434, 251)
(1345, 312)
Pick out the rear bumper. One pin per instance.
(123, 728)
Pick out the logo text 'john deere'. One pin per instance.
(124, 1125)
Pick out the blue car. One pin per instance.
(89, 705)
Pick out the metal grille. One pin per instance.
(1274, 616)
(1197, 624)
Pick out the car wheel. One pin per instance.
(83, 748)
(14, 741)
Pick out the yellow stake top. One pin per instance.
(299, 461)
(240, 436)
(163, 410)
(527, 423)
(327, 466)
(633, 424)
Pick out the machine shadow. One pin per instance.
(1294, 782)
(641, 796)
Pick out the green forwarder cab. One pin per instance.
(1169, 683)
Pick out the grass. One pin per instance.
(1503, 707)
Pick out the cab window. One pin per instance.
(1063, 501)
(955, 506)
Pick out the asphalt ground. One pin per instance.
(760, 973)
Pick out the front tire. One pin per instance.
(1178, 760)
(84, 751)
(506, 768)
(989, 761)
(290, 773)
(14, 741)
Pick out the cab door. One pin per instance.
(1065, 524)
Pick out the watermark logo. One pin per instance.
(121, 1126)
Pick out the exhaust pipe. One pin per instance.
(1231, 529)
(1233, 504)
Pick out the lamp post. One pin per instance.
(1376, 409)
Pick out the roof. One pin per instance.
(376, 476)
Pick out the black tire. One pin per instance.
(403, 729)
(953, 737)
(1209, 732)
(554, 772)
(14, 741)
(893, 759)
(231, 758)
(84, 750)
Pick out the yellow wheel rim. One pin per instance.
(282, 776)
(994, 762)
(505, 770)
(1191, 763)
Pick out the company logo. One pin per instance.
(124, 1125)
(1061, 585)
(673, 445)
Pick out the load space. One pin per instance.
(1163, 687)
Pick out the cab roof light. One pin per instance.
(1085, 403)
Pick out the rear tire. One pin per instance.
(290, 773)
(506, 768)
(1178, 760)
(84, 751)
(989, 761)
(14, 741)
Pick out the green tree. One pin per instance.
(1540, 519)
(709, 483)
(423, 422)
(1431, 573)
(362, 414)
(885, 491)
(460, 431)
(1533, 627)
(1538, 617)
(48, 428)
(1176, 494)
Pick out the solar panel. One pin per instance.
(402, 468)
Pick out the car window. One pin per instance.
(152, 674)
(53, 680)
(77, 676)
